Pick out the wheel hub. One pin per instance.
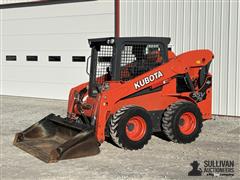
(181, 122)
(136, 128)
(187, 123)
(130, 126)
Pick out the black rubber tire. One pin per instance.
(118, 124)
(171, 118)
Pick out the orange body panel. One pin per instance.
(110, 100)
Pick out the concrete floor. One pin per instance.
(160, 159)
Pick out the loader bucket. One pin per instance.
(55, 138)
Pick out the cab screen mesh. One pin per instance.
(104, 59)
(137, 59)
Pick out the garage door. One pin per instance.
(44, 48)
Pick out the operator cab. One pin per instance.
(122, 59)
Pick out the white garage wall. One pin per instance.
(63, 30)
(195, 24)
(53, 30)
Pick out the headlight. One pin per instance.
(110, 41)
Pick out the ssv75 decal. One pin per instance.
(148, 79)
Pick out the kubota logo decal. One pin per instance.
(148, 79)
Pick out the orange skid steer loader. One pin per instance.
(137, 86)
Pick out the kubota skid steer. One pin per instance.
(137, 86)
